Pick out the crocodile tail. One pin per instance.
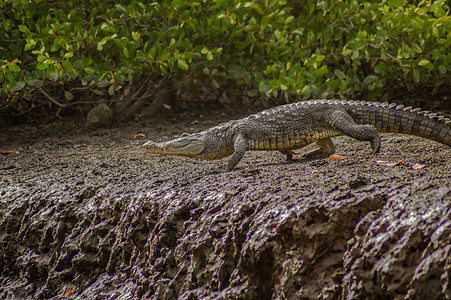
(399, 119)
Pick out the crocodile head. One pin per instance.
(203, 145)
(190, 145)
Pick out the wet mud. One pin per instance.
(88, 214)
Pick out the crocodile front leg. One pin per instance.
(239, 147)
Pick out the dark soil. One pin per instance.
(88, 214)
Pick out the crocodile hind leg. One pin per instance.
(289, 154)
(325, 146)
(343, 122)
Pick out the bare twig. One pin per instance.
(51, 98)
(144, 92)
(58, 113)
(32, 107)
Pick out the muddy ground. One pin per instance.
(88, 214)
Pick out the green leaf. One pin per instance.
(416, 48)
(416, 75)
(289, 19)
(136, 36)
(396, 3)
(42, 66)
(311, 6)
(380, 68)
(339, 73)
(126, 52)
(372, 86)
(165, 56)
(100, 45)
(435, 32)
(183, 65)
(18, 86)
(439, 11)
(67, 66)
(140, 57)
(55, 47)
(260, 9)
(417, 23)
(426, 64)
(103, 83)
(30, 45)
(252, 93)
(369, 79)
(53, 73)
(90, 70)
(235, 71)
(7, 24)
(98, 92)
(68, 55)
(69, 96)
(163, 69)
(346, 52)
(24, 29)
(14, 68)
(263, 87)
(306, 90)
(120, 9)
(111, 90)
(41, 58)
(321, 71)
(35, 83)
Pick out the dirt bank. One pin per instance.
(87, 214)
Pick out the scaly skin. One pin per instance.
(296, 125)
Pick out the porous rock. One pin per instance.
(100, 116)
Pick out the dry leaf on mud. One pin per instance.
(389, 164)
(139, 135)
(337, 157)
(417, 166)
(68, 293)
(9, 152)
(292, 152)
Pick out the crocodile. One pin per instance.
(293, 126)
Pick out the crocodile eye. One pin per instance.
(184, 134)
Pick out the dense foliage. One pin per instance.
(314, 48)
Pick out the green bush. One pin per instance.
(313, 48)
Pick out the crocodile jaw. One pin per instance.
(185, 145)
